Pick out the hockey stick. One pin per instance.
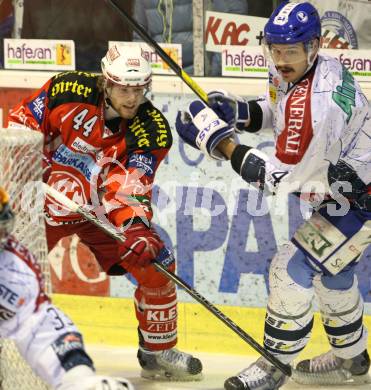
(62, 199)
(160, 51)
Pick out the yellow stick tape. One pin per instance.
(192, 84)
(112, 321)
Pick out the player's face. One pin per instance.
(291, 61)
(126, 100)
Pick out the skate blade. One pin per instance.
(329, 379)
(165, 376)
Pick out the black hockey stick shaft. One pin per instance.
(62, 199)
(284, 368)
(160, 51)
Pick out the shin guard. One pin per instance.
(156, 311)
(342, 317)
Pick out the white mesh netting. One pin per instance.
(20, 168)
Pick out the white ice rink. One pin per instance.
(123, 362)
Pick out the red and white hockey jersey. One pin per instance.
(88, 161)
(40, 330)
(21, 285)
(322, 119)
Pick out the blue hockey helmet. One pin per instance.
(293, 23)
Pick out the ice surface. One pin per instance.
(123, 362)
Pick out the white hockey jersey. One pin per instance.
(21, 286)
(27, 316)
(322, 119)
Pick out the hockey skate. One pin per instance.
(328, 369)
(170, 364)
(260, 375)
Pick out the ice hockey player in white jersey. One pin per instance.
(45, 337)
(322, 128)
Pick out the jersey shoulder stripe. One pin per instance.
(73, 87)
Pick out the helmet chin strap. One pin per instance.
(109, 111)
(310, 50)
(307, 69)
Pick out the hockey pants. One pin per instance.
(293, 284)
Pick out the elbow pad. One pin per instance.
(356, 190)
(255, 168)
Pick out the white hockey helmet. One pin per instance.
(6, 216)
(126, 66)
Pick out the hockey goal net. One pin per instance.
(20, 169)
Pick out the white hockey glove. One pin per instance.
(84, 378)
(231, 108)
(201, 128)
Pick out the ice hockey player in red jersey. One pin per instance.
(104, 141)
(46, 338)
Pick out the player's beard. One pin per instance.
(127, 112)
(124, 110)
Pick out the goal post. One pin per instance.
(20, 170)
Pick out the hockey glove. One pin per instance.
(203, 129)
(142, 245)
(165, 257)
(232, 109)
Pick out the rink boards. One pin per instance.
(202, 211)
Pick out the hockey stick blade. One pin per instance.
(160, 51)
(62, 199)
